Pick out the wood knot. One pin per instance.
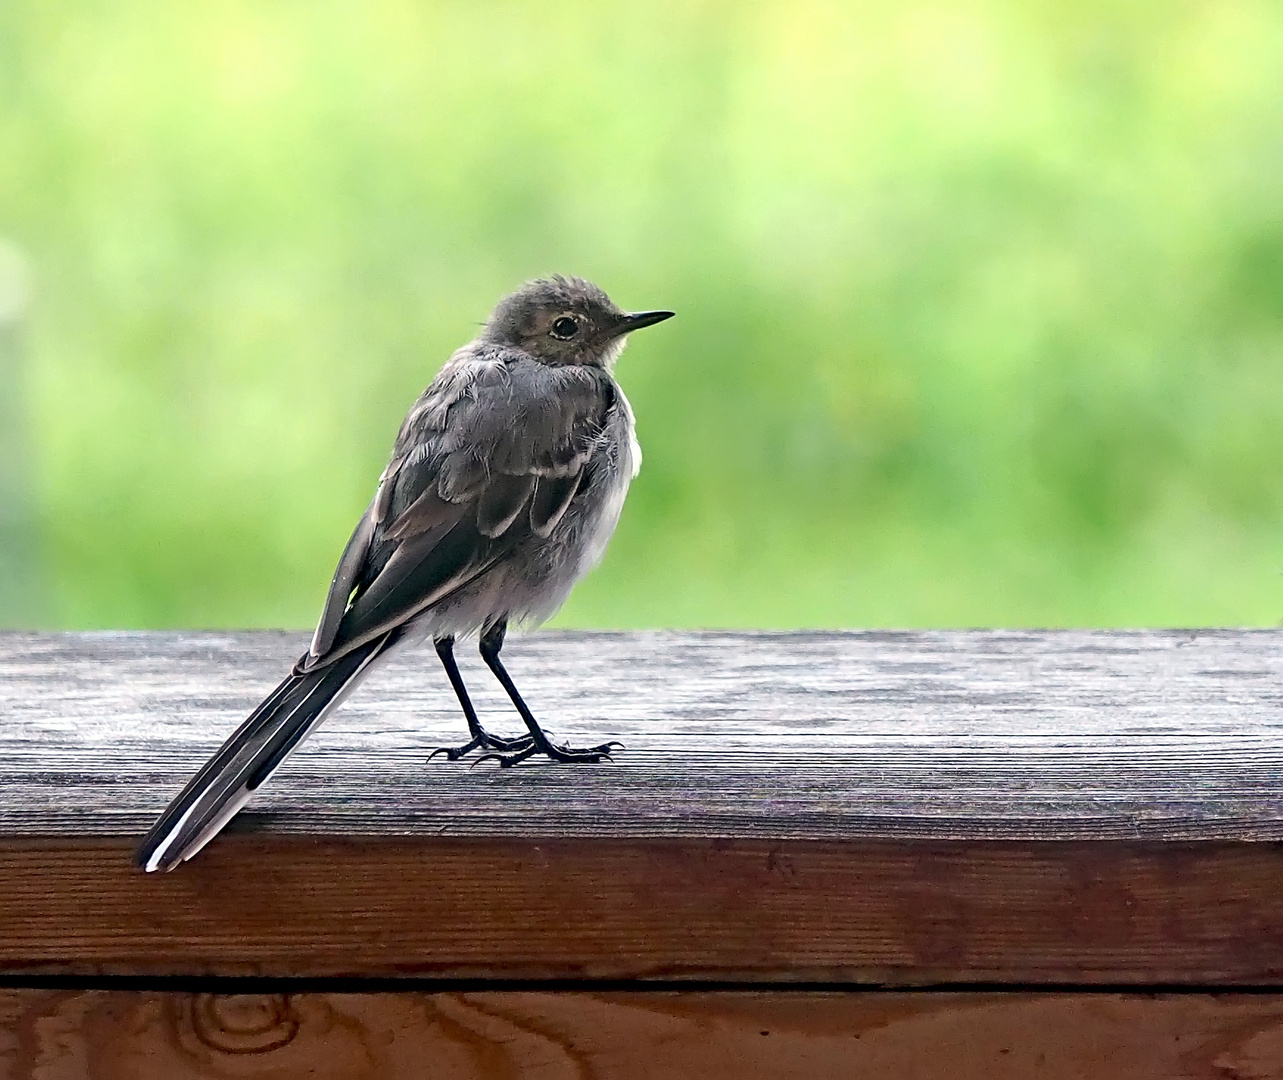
(243, 1023)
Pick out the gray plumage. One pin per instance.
(505, 484)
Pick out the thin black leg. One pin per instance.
(481, 738)
(491, 642)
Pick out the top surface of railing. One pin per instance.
(936, 735)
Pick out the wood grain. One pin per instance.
(905, 809)
(872, 912)
(940, 735)
(106, 1035)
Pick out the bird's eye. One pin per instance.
(564, 327)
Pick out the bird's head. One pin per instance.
(565, 320)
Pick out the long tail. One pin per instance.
(244, 763)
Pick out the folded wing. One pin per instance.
(493, 451)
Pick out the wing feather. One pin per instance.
(502, 501)
(345, 578)
(493, 452)
(551, 500)
(428, 511)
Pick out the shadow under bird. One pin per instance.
(505, 484)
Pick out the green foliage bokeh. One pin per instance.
(980, 302)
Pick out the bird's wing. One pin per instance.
(494, 450)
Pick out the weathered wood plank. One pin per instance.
(984, 735)
(627, 1036)
(877, 808)
(871, 912)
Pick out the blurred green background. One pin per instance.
(980, 303)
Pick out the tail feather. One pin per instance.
(246, 760)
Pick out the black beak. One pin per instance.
(637, 319)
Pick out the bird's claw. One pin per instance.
(483, 741)
(562, 754)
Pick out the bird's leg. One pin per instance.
(491, 643)
(481, 738)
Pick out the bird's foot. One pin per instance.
(483, 740)
(565, 754)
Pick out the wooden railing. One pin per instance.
(983, 854)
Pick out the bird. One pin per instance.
(506, 481)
